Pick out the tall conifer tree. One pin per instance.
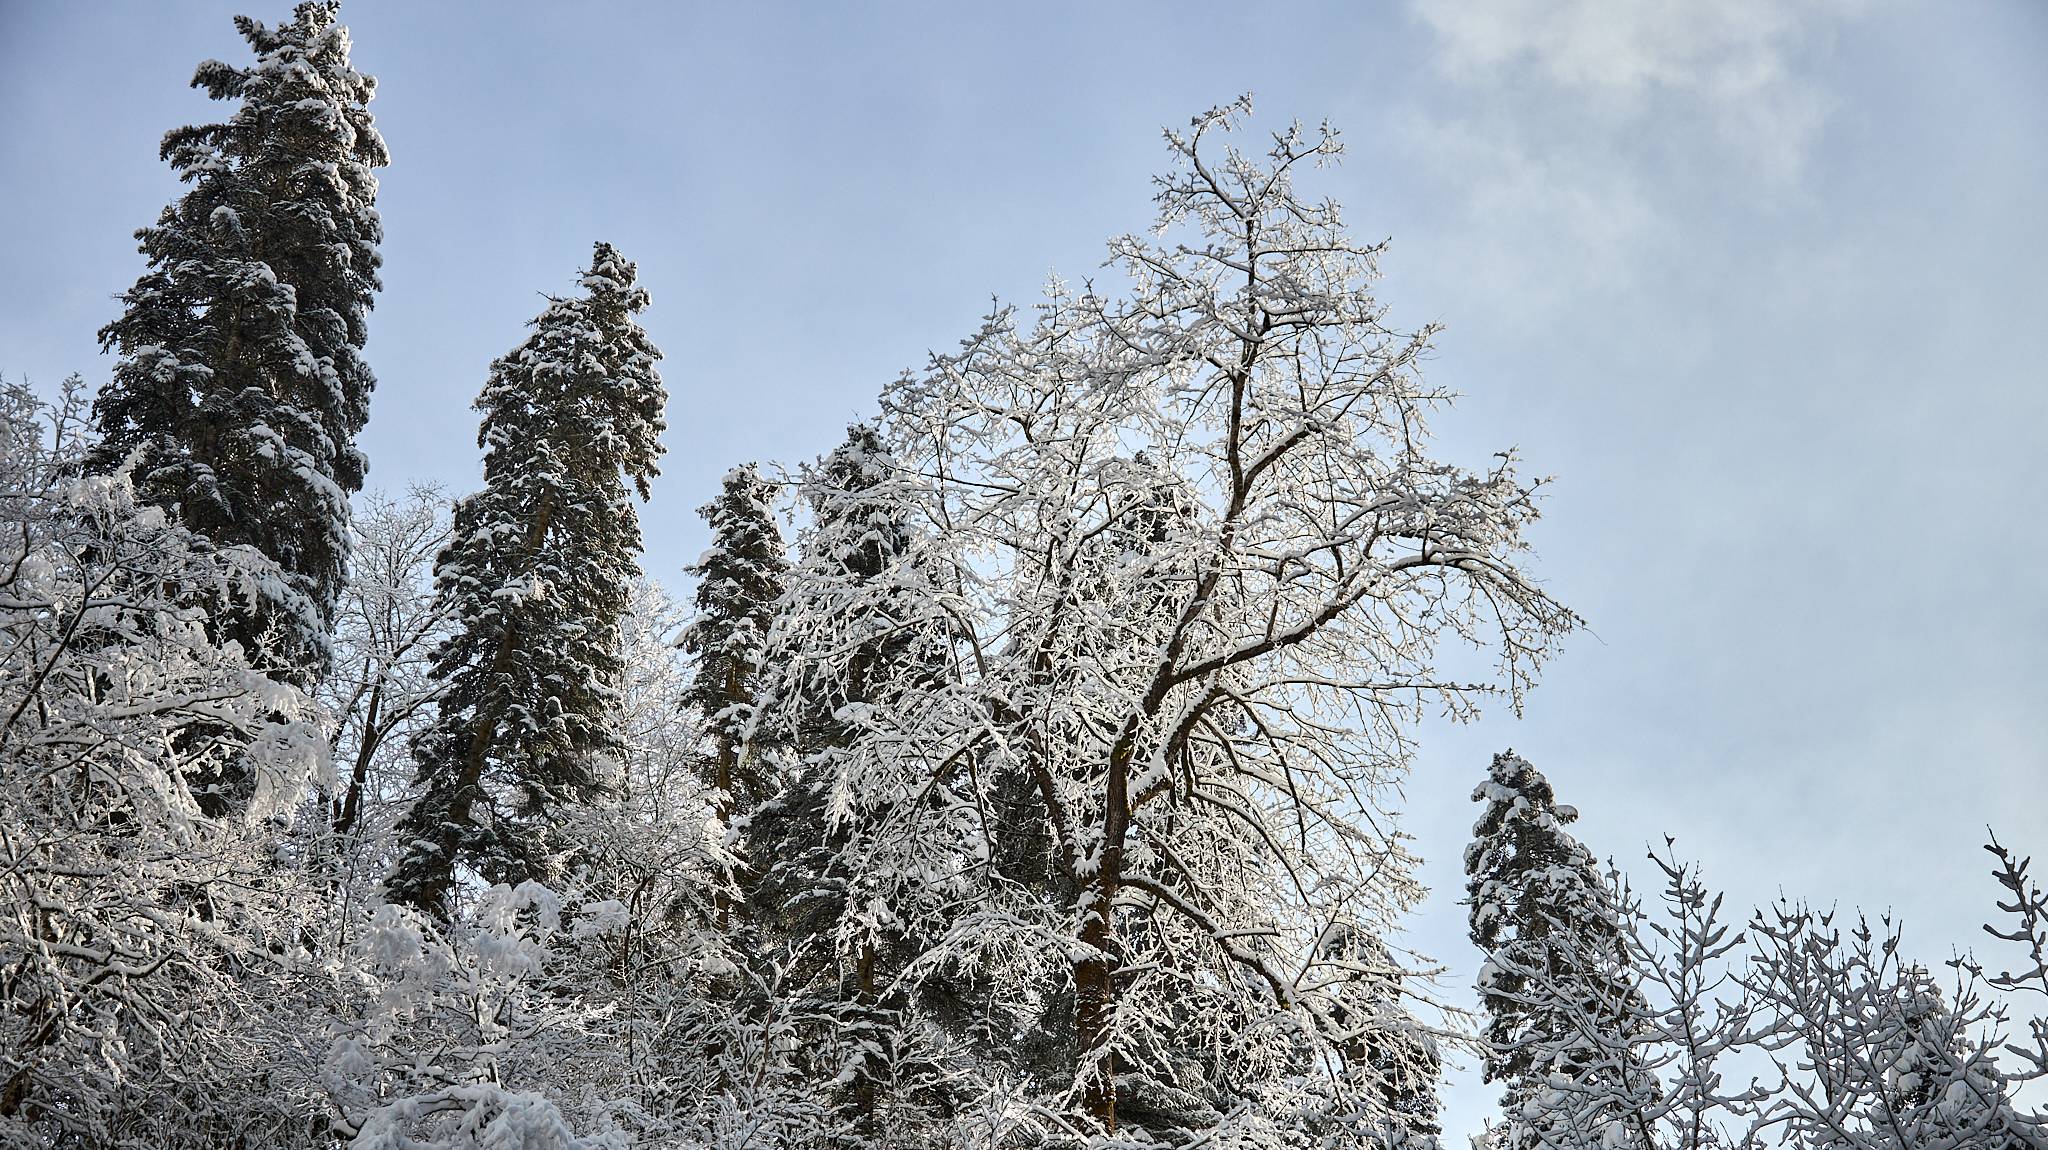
(1564, 1019)
(843, 934)
(241, 383)
(540, 567)
(740, 579)
(1381, 1039)
(853, 540)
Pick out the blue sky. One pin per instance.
(1760, 283)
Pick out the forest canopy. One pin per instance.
(1024, 770)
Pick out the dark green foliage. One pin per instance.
(1563, 1015)
(1382, 1041)
(241, 384)
(740, 579)
(859, 570)
(539, 569)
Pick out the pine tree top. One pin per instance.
(1513, 791)
(242, 385)
(744, 539)
(582, 390)
(740, 579)
(859, 516)
(613, 275)
(1520, 853)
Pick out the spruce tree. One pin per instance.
(541, 564)
(1383, 1043)
(740, 579)
(241, 383)
(860, 536)
(1564, 1020)
(810, 896)
(1942, 1085)
(853, 540)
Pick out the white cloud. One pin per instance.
(1574, 131)
(1730, 62)
(1537, 223)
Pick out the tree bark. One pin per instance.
(1095, 973)
(352, 801)
(433, 894)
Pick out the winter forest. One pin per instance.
(1023, 770)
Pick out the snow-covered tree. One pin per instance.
(1202, 732)
(152, 960)
(842, 935)
(660, 733)
(2028, 927)
(654, 855)
(388, 628)
(1563, 1013)
(1387, 1044)
(241, 384)
(541, 565)
(468, 1024)
(856, 549)
(380, 691)
(1873, 1053)
(1695, 1022)
(595, 1013)
(739, 581)
(1847, 1043)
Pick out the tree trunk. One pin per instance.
(864, 1092)
(1094, 1008)
(1095, 974)
(433, 894)
(352, 802)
